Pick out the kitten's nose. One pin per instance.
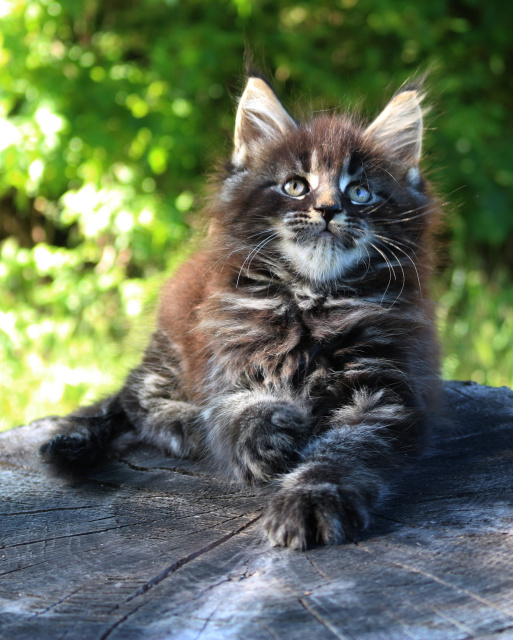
(327, 211)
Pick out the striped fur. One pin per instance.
(298, 345)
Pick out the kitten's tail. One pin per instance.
(86, 439)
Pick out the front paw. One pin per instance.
(310, 514)
(75, 449)
(268, 439)
(69, 447)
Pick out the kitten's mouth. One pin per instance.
(327, 232)
(343, 240)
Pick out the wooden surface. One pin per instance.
(154, 548)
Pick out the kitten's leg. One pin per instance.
(156, 404)
(84, 438)
(149, 408)
(327, 499)
(255, 434)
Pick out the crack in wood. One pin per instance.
(104, 483)
(453, 621)
(171, 536)
(170, 570)
(211, 587)
(70, 535)
(325, 623)
(56, 604)
(116, 624)
(232, 577)
(193, 514)
(241, 490)
(318, 569)
(491, 634)
(180, 470)
(20, 568)
(50, 510)
(37, 614)
(445, 583)
(205, 624)
(213, 526)
(186, 559)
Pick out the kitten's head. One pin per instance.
(327, 197)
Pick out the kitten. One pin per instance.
(299, 344)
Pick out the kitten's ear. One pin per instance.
(399, 128)
(260, 117)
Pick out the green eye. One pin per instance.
(358, 194)
(296, 187)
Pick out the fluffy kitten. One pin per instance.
(299, 344)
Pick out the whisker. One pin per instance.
(404, 276)
(390, 270)
(252, 254)
(259, 233)
(261, 246)
(225, 258)
(426, 212)
(407, 244)
(389, 242)
(379, 205)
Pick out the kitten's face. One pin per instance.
(321, 200)
(315, 198)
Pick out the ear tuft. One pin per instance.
(260, 117)
(399, 127)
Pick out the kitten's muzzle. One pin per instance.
(328, 211)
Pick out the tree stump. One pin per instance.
(156, 548)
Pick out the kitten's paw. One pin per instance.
(65, 447)
(74, 451)
(268, 440)
(306, 515)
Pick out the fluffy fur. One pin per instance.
(298, 345)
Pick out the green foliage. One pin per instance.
(111, 113)
(476, 318)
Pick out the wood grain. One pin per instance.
(155, 548)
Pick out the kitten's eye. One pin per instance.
(296, 187)
(358, 194)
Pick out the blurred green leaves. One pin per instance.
(111, 114)
(476, 320)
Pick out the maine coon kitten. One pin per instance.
(299, 344)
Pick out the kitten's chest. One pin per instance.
(292, 341)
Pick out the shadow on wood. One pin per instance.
(154, 548)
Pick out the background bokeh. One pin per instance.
(111, 113)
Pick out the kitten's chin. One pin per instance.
(321, 261)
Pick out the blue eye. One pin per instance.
(358, 194)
